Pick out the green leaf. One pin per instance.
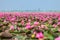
(20, 37)
(49, 36)
(19, 24)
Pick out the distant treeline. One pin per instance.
(30, 10)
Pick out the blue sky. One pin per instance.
(29, 5)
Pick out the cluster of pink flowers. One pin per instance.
(39, 22)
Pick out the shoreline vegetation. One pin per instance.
(38, 10)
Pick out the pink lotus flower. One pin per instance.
(4, 20)
(28, 27)
(58, 23)
(58, 38)
(39, 35)
(13, 19)
(1, 15)
(34, 32)
(43, 26)
(59, 18)
(18, 28)
(11, 27)
(36, 23)
(54, 25)
(13, 22)
(22, 22)
(29, 20)
(32, 26)
(45, 19)
(28, 24)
